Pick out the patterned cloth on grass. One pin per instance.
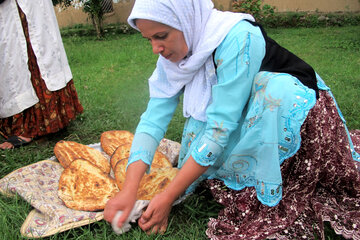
(38, 184)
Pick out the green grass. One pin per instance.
(111, 81)
(335, 55)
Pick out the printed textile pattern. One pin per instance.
(53, 112)
(321, 182)
(268, 134)
(38, 184)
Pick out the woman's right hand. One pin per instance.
(123, 201)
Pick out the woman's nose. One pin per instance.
(157, 48)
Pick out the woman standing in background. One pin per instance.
(37, 94)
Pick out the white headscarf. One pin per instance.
(204, 28)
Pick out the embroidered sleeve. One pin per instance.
(206, 152)
(238, 59)
(143, 148)
(151, 128)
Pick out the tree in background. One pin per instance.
(94, 9)
(254, 8)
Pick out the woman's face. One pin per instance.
(165, 40)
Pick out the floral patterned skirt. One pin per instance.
(54, 110)
(321, 182)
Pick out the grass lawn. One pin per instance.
(111, 80)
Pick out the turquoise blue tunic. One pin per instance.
(253, 120)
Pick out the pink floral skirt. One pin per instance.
(321, 182)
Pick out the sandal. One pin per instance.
(16, 141)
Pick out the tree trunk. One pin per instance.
(97, 22)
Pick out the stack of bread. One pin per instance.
(86, 183)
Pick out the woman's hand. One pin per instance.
(155, 218)
(123, 201)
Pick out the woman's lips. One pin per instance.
(167, 57)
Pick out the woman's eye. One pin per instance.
(161, 37)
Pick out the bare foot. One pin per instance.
(8, 145)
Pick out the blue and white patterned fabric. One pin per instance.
(253, 120)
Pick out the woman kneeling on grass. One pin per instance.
(263, 130)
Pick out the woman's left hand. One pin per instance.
(155, 218)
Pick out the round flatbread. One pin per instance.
(83, 186)
(111, 140)
(123, 152)
(151, 184)
(67, 151)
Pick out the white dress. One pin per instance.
(16, 90)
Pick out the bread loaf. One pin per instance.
(151, 184)
(123, 152)
(83, 186)
(67, 151)
(111, 140)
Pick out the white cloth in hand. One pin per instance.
(134, 215)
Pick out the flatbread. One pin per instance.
(123, 152)
(151, 184)
(155, 182)
(67, 151)
(83, 186)
(161, 161)
(111, 140)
